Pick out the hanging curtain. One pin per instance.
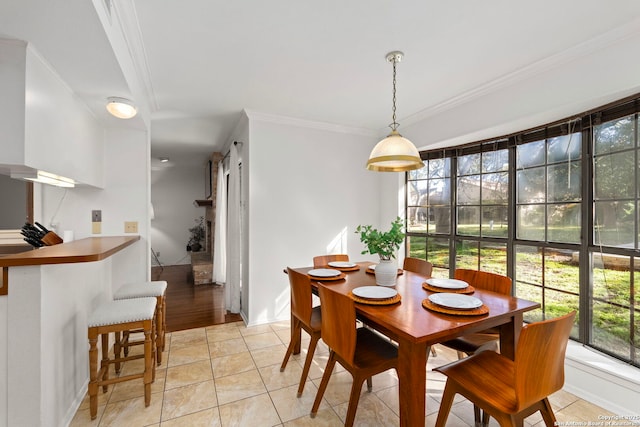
(233, 283)
(220, 231)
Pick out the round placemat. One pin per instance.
(370, 271)
(323, 279)
(386, 301)
(354, 268)
(468, 290)
(435, 307)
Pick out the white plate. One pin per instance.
(457, 301)
(374, 292)
(372, 267)
(324, 272)
(447, 283)
(342, 264)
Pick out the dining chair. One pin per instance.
(362, 352)
(511, 390)
(324, 260)
(418, 265)
(488, 339)
(303, 316)
(424, 268)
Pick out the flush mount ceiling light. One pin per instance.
(121, 108)
(43, 177)
(163, 159)
(394, 153)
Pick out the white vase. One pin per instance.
(387, 272)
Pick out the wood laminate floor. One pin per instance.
(190, 306)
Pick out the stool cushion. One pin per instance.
(155, 288)
(123, 311)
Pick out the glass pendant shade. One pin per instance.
(394, 154)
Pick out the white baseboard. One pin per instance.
(602, 380)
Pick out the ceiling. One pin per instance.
(202, 62)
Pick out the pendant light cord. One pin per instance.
(394, 125)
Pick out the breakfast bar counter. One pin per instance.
(45, 299)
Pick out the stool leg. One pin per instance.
(148, 362)
(117, 350)
(125, 341)
(159, 331)
(154, 349)
(164, 320)
(93, 373)
(104, 364)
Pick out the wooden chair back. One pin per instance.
(323, 260)
(301, 304)
(418, 265)
(539, 361)
(484, 280)
(338, 322)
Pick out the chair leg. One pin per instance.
(369, 384)
(307, 362)
(476, 416)
(485, 419)
(433, 351)
(547, 413)
(292, 344)
(445, 405)
(323, 384)
(354, 397)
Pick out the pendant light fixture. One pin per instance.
(394, 153)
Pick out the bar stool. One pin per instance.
(156, 289)
(119, 316)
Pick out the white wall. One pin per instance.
(308, 189)
(584, 78)
(173, 191)
(124, 198)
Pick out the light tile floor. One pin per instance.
(229, 375)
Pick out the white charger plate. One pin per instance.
(342, 264)
(457, 301)
(324, 272)
(374, 292)
(372, 267)
(447, 283)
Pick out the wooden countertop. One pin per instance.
(83, 250)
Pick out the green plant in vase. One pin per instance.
(385, 244)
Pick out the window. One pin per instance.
(429, 213)
(548, 183)
(556, 208)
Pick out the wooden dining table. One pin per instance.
(416, 328)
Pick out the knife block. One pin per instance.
(51, 239)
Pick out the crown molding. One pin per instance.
(542, 66)
(127, 18)
(308, 124)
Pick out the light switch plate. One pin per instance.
(131, 226)
(96, 227)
